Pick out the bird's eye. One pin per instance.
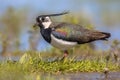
(43, 19)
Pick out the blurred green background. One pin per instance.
(18, 16)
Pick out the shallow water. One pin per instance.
(13, 58)
(85, 76)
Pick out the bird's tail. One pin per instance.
(101, 35)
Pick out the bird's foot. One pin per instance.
(59, 59)
(62, 59)
(64, 56)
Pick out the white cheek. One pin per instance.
(46, 24)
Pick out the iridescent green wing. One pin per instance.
(70, 32)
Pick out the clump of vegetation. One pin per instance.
(33, 65)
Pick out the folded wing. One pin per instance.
(76, 33)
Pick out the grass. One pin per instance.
(28, 63)
(29, 66)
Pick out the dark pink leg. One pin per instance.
(65, 54)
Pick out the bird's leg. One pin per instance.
(65, 55)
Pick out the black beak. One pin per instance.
(58, 14)
(35, 26)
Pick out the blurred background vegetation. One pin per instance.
(18, 17)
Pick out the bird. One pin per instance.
(63, 35)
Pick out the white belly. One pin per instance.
(61, 44)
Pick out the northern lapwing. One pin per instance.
(66, 35)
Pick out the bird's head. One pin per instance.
(45, 21)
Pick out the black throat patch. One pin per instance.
(46, 33)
